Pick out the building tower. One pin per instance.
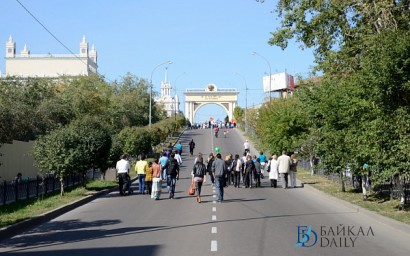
(93, 54)
(10, 48)
(166, 86)
(84, 48)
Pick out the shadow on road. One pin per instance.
(147, 250)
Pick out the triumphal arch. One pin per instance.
(227, 98)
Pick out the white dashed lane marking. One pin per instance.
(214, 209)
(213, 217)
(214, 230)
(214, 246)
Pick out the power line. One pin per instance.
(51, 33)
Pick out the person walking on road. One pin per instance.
(172, 174)
(273, 171)
(191, 147)
(210, 161)
(179, 148)
(284, 163)
(178, 158)
(141, 168)
(293, 170)
(247, 146)
(243, 163)
(123, 168)
(163, 161)
(228, 165)
(156, 180)
(199, 171)
(237, 167)
(148, 179)
(257, 175)
(263, 161)
(249, 168)
(219, 171)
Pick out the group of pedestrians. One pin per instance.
(150, 175)
(245, 171)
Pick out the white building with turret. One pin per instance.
(26, 64)
(170, 104)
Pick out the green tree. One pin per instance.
(95, 144)
(282, 126)
(239, 114)
(338, 30)
(58, 153)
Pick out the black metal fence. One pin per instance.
(393, 188)
(11, 191)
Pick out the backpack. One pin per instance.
(172, 167)
(234, 163)
(200, 169)
(241, 165)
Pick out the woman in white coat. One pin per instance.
(273, 171)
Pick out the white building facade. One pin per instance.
(170, 104)
(26, 64)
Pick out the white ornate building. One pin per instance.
(171, 104)
(26, 64)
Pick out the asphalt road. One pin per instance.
(259, 221)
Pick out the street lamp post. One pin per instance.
(246, 100)
(175, 92)
(150, 92)
(270, 74)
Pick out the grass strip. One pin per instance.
(28, 208)
(380, 204)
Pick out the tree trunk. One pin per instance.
(342, 182)
(62, 186)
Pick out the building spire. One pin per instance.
(166, 75)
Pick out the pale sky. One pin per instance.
(208, 40)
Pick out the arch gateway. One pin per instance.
(227, 98)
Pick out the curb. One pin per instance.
(19, 227)
(401, 226)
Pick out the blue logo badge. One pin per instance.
(305, 235)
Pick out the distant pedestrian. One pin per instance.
(273, 171)
(148, 178)
(170, 147)
(237, 164)
(210, 161)
(293, 170)
(178, 158)
(141, 168)
(191, 147)
(178, 147)
(156, 180)
(123, 168)
(284, 163)
(172, 168)
(243, 162)
(162, 161)
(263, 161)
(257, 175)
(229, 174)
(247, 146)
(198, 172)
(249, 169)
(219, 172)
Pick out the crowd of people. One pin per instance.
(244, 171)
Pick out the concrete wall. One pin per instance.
(15, 158)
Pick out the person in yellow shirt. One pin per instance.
(141, 168)
(148, 178)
